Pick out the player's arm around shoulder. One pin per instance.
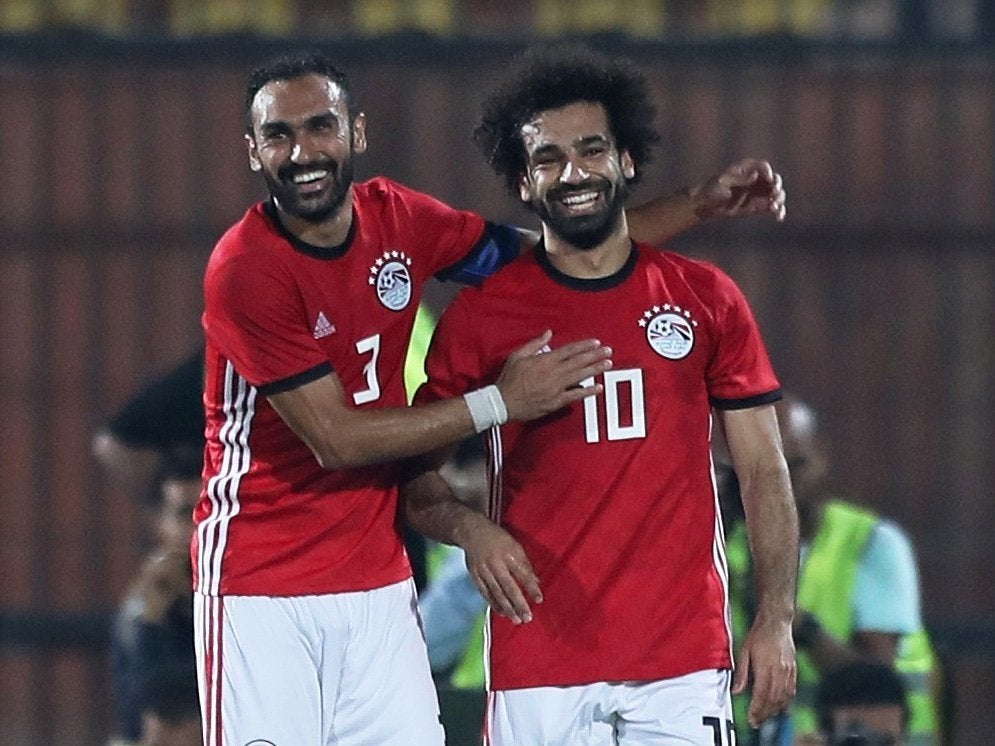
(748, 187)
(767, 656)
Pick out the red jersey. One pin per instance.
(279, 313)
(613, 498)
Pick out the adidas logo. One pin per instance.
(322, 327)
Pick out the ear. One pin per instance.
(524, 188)
(359, 133)
(254, 163)
(628, 167)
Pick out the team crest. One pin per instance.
(669, 330)
(392, 279)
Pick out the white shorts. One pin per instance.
(342, 669)
(693, 709)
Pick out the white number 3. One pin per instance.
(372, 390)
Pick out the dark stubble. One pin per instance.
(583, 231)
(314, 208)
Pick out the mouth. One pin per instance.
(310, 182)
(581, 201)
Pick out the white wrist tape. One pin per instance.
(486, 407)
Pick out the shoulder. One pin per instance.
(254, 232)
(509, 286)
(705, 278)
(249, 253)
(514, 279)
(691, 269)
(381, 190)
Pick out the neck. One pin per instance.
(603, 260)
(330, 232)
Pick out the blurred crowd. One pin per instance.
(649, 19)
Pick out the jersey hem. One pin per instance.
(281, 592)
(642, 676)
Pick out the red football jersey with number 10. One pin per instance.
(613, 498)
(279, 313)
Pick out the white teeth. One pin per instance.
(309, 177)
(580, 199)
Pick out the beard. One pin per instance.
(585, 232)
(317, 207)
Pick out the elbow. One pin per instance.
(331, 456)
(331, 461)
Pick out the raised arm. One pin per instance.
(530, 386)
(767, 655)
(747, 187)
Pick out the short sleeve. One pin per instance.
(740, 374)
(440, 231)
(886, 594)
(255, 317)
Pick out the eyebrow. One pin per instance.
(281, 125)
(594, 139)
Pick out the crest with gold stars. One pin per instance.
(669, 330)
(392, 279)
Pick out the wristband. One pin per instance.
(486, 407)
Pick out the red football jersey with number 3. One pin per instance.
(278, 313)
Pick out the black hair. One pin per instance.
(550, 77)
(863, 684)
(291, 66)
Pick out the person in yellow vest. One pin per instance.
(858, 589)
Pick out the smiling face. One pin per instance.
(303, 144)
(576, 178)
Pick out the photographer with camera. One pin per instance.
(861, 704)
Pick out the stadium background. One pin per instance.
(121, 162)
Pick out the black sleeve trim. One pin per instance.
(754, 401)
(296, 381)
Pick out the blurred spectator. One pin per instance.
(858, 588)
(154, 625)
(170, 706)
(167, 414)
(861, 704)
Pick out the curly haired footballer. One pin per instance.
(553, 77)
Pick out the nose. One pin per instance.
(302, 152)
(574, 173)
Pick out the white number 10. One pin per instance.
(616, 430)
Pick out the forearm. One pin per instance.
(344, 437)
(772, 524)
(432, 509)
(659, 220)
